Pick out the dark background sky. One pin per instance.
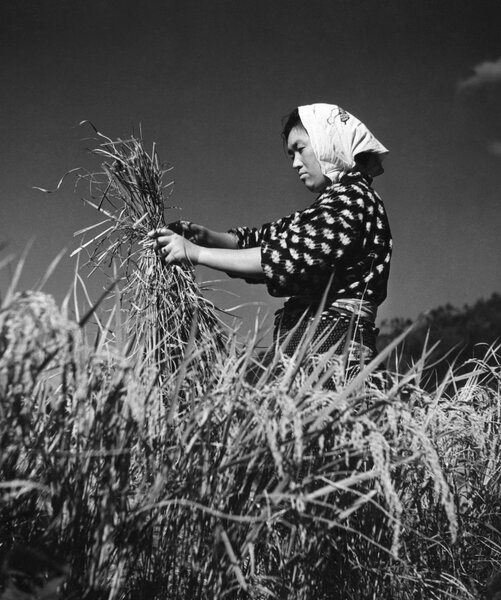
(210, 82)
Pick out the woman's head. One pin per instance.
(337, 139)
(302, 155)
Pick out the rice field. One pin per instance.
(148, 452)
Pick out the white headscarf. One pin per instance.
(337, 137)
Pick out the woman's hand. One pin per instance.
(198, 234)
(174, 249)
(203, 236)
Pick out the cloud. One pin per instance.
(495, 148)
(483, 74)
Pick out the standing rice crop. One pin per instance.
(246, 495)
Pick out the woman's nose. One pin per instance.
(296, 163)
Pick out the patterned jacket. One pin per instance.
(344, 233)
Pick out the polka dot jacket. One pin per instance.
(344, 233)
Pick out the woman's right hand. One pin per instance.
(198, 234)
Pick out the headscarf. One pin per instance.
(337, 137)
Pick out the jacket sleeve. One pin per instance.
(301, 257)
(249, 237)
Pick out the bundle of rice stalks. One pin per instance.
(165, 307)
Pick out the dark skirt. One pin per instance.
(350, 338)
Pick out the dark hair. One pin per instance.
(289, 122)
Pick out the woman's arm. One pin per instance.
(221, 239)
(176, 249)
(245, 263)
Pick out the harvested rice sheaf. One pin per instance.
(167, 315)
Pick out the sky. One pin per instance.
(210, 82)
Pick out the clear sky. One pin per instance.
(210, 81)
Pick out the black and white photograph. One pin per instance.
(250, 300)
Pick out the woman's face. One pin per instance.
(304, 160)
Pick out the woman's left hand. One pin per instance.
(174, 249)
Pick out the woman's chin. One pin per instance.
(316, 187)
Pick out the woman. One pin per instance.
(330, 259)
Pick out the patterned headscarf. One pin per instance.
(337, 137)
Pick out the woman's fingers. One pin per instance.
(163, 231)
(173, 248)
(167, 254)
(163, 240)
(161, 236)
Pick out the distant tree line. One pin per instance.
(460, 334)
